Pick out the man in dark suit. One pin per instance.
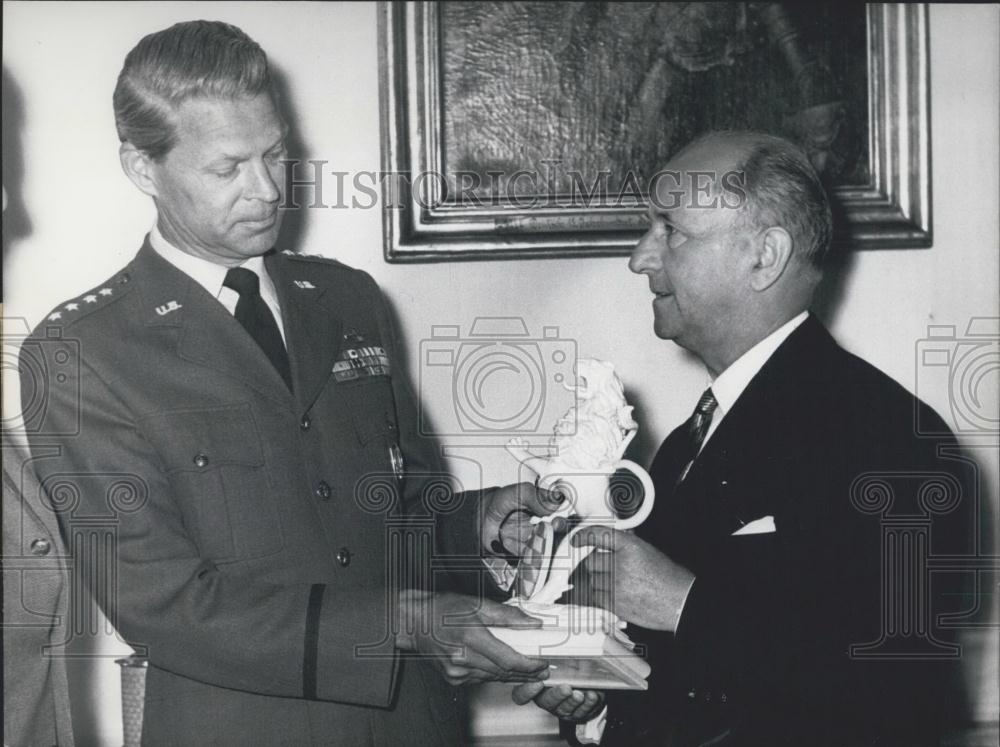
(236, 461)
(777, 586)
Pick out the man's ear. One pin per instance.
(138, 167)
(773, 254)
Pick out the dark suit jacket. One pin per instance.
(244, 536)
(35, 605)
(762, 655)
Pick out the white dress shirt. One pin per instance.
(211, 276)
(729, 385)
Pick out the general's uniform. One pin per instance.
(824, 444)
(254, 528)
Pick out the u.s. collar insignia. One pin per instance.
(304, 284)
(361, 362)
(168, 307)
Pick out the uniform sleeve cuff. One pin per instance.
(355, 649)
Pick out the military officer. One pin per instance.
(236, 420)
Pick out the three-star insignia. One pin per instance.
(90, 298)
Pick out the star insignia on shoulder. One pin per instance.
(72, 306)
(55, 317)
(105, 291)
(90, 298)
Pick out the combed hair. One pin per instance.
(783, 189)
(207, 59)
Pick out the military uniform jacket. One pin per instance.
(240, 534)
(35, 606)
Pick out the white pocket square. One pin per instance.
(763, 525)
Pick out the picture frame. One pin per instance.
(430, 215)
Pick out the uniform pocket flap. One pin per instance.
(201, 439)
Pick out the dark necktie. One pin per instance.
(699, 422)
(252, 312)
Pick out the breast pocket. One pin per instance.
(215, 462)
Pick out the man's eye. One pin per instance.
(225, 173)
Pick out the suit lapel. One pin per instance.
(728, 484)
(207, 334)
(312, 330)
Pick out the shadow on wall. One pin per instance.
(15, 219)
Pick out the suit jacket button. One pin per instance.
(344, 557)
(305, 424)
(40, 547)
(201, 460)
(323, 490)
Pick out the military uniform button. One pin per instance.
(344, 557)
(200, 459)
(305, 424)
(41, 547)
(323, 490)
(124, 278)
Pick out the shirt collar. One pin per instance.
(729, 385)
(207, 274)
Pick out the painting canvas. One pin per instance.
(542, 123)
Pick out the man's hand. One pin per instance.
(562, 700)
(633, 579)
(450, 629)
(506, 526)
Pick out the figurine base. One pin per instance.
(585, 647)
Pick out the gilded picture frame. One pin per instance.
(431, 211)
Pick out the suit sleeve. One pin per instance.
(119, 513)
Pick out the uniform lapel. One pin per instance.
(207, 334)
(312, 329)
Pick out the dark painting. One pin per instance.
(532, 129)
(591, 88)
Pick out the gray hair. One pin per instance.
(207, 59)
(783, 189)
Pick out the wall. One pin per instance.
(84, 220)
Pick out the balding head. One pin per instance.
(739, 225)
(780, 187)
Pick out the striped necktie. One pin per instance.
(700, 421)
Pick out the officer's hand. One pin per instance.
(450, 628)
(506, 527)
(633, 579)
(562, 700)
